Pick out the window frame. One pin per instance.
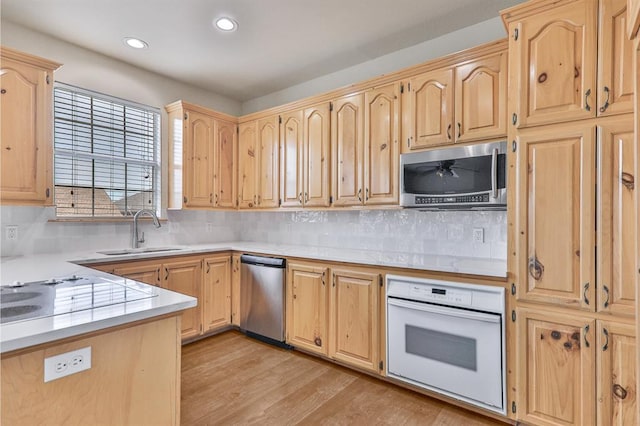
(155, 164)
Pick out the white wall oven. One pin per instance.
(449, 338)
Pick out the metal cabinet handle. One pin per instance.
(604, 107)
(585, 289)
(323, 283)
(459, 130)
(210, 198)
(306, 197)
(586, 331)
(216, 199)
(586, 100)
(317, 341)
(606, 294)
(259, 199)
(627, 180)
(619, 391)
(366, 197)
(166, 276)
(606, 342)
(300, 198)
(536, 269)
(334, 279)
(208, 267)
(449, 132)
(360, 194)
(158, 271)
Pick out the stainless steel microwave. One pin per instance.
(471, 177)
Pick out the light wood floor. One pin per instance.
(232, 379)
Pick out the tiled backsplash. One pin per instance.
(408, 231)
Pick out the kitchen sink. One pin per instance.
(138, 250)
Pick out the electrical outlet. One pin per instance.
(11, 232)
(67, 363)
(478, 235)
(209, 227)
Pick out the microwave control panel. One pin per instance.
(479, 198)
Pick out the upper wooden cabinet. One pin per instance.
(258, 164)
(633, 22)
(555, 205)
(565, 63)
(458, 104)
(347, 134)
(202, 157)
(26, 87)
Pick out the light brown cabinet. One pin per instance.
(354, 317)
(569, 60)
(235, 290)
(365, 151)
(146, 272)
(291, 159)
(26, 172)
(216, 293)
(185, 276)
(202, 157)
(459, 104)
(306, 306)
(633, 22)
(616, 389)
(258, 164)
(556, 366)
(555, 205)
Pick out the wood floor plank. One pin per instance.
(230, 379)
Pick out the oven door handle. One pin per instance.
(494, 174)
(448, 311)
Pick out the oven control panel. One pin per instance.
(441, 295)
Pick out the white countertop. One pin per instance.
(27, 333)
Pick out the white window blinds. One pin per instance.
(106, 161)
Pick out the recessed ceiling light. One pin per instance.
(226, 24)
(136, 43)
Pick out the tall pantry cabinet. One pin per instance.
(573, 212)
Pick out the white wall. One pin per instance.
(466, 38)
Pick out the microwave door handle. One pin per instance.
(448, 311)
(494, 174)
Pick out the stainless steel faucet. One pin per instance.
(135, 240)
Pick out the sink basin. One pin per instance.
(138, 250)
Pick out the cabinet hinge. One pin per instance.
(513, 316)
(402, 88)
(48, 79)
(186, 117)
(514, 146)
(513, 407)
(513, 289)
(330, 106)
(516, 34)
(380, 280)
(380, 365)
(408, 87)
(279, 119)
(514, 119)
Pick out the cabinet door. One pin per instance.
(381, 153)
(615, 59)
(617, 231)
(431, 109)
(185, 276)
(354, 318)
(555, 220)
(248, 165)
(216, 300)
(291, 162)
(306, 313)
(268, 174)
(25, 113)
(317, 148)
(199, 160)
(235, 290)
(553, 61)
(347, 150)
(148, 273)
(617, 392)
(481, 99)
(226, 162)
(556, 368)
(633, 20)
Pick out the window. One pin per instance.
(106, 154)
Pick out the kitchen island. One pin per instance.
(133, 374)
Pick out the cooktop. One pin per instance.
(23, 301)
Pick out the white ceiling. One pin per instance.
(279, 43)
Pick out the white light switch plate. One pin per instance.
(478, 235)
(67, 363)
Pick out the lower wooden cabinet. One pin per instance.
(354, 318)
(235, 290)
(185, 276)
(306, 307)
(148, 273)
(216, 300)
(574, 370)
(334, 312)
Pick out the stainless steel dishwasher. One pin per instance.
(262, 281)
